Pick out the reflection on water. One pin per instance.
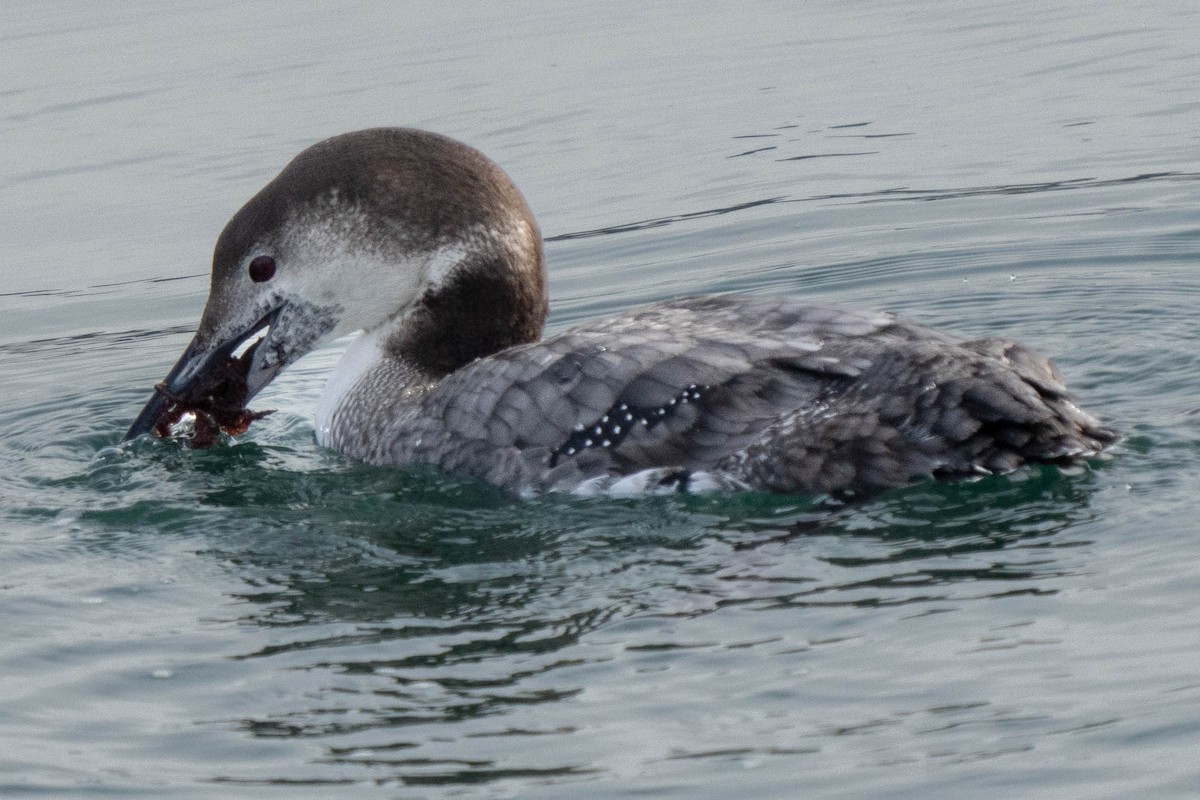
(436, 618)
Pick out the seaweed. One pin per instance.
(218, 400)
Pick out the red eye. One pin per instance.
(262, 268)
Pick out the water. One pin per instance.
(268, 620)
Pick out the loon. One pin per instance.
(426, 246)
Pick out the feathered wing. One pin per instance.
(765, 394)
(925, 410)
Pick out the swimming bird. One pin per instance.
(426, 246)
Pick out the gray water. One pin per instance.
(267, 619)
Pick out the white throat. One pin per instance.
(363, 353)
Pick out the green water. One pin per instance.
(267, 619)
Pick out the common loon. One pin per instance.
(425, 245)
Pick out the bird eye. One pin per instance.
(262, 268)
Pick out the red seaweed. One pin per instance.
(218, 401)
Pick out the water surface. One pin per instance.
(267, 619)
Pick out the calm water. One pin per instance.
(269, 620)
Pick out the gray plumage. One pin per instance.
(795, 398)
(426, 245)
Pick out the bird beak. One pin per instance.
(208, 374)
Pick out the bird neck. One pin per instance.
(488, 302)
